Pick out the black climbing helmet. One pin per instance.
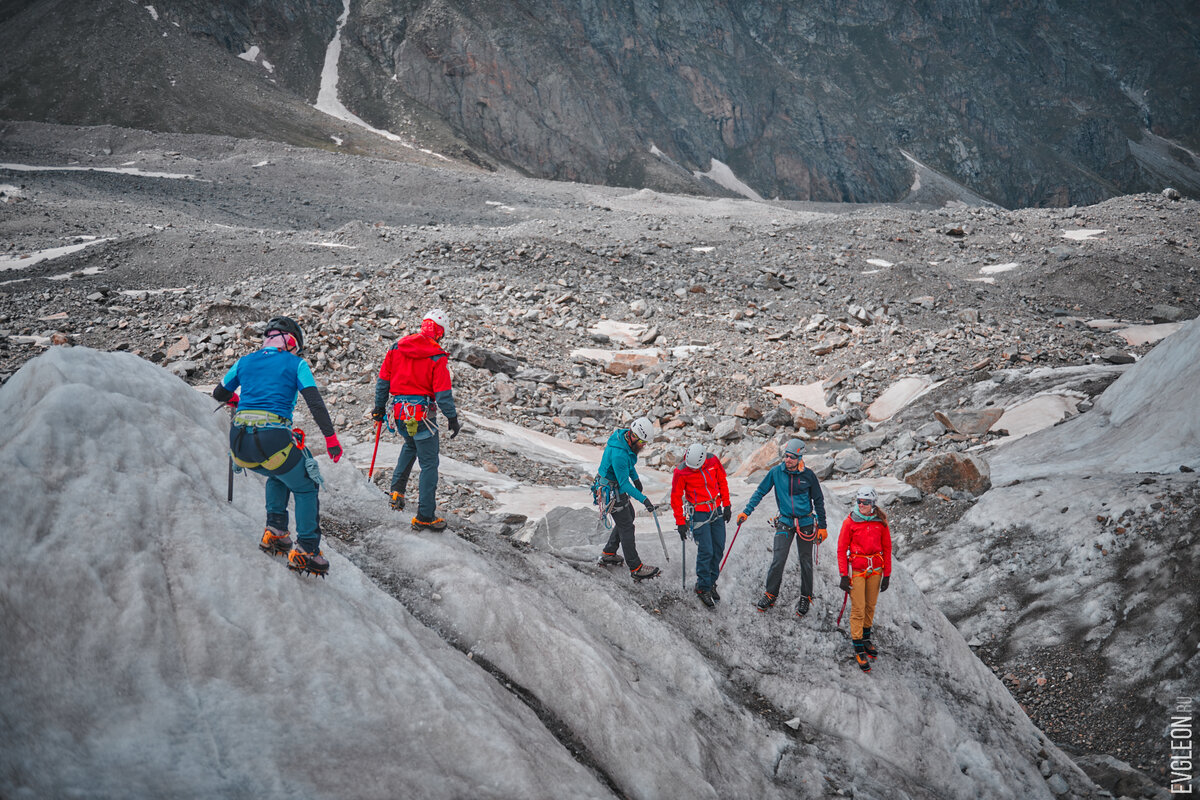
(286, 325)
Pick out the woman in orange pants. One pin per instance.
(864, 551)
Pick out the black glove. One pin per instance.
(454, 425)
(682, 532)
(379, 415)
(638, 485)
(883, 584)
(727, 513)
(845, 584)
(649, 506)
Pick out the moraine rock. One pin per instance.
(483, 358)
(848, 460)
(728, 431)
(969, 422)
(964, 471)
(870, 441)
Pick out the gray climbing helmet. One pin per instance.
(794, 447)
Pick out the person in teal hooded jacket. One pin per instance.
(801, 518)
(618, 472)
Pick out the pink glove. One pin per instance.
(334, 447)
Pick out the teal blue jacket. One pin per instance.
(618, 465)
(797, 492)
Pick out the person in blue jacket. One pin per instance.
(261, 439)
(801, 517)
(618, 474)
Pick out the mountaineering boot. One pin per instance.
(397, 501)
(706, 597)
(802, 606)
(860, 656)
(611, 558)
(868, 648)
(714, 593)
(275, 542)
(766, 601)
(419, 524)
(300, 560)
(643, 571)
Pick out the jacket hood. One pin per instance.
(418, 346)
(618, 438)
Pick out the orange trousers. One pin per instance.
(864, 591)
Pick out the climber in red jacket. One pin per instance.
(701, 481)
(864, 551)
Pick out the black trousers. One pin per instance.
(622, 533)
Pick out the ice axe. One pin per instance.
(378, 430)
(729, 549)
(661, 540)
(845, 597)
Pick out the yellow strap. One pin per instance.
(272, 463)
(253, 417)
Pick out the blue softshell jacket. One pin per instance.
(796, 491)
(618, 464)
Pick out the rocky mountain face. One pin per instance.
(1025, 104)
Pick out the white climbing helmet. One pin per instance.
(794, 447)
(642, 428)
(694, 458)
(441, 318)
(866, 495)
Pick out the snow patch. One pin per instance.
(116, 170)
(1082, 234)
(721, 174)
(38, 256)
(327, 95)
(153, 12)
(993, 269)
(250, 55)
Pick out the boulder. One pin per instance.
(848, 460)
(969, 421)
(625, 361)
(870, 441)
(482, 358)
(1164, 313)
(778, 416)
(743, 410)
(584, 408)
(760, 459)
(728, 431)
(176, 350)
(965, 471)
(804, 418)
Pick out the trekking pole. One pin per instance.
(683, 551)
(845, 597)
(229, 490)
(661, 541)
(729, 549)
(378, 429)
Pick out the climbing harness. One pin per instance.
(871, 568)
(256, 420)
(606, 498)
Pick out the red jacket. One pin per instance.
(858, 541)
(416, 365)
(705, 488)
